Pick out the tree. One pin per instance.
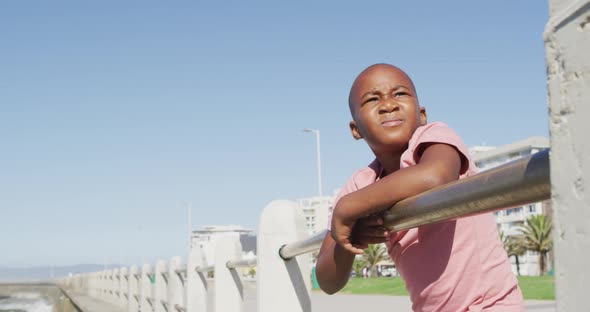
(358, 266)
(514, 246)
(537, 237)
(373, 254)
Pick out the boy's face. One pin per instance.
(385, 108)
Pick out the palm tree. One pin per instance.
(358, 266)
(514, 246)
(537, 237)
(373, 254)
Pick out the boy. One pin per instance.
(457, 265)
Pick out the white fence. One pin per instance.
(177, 286)
(283, 272)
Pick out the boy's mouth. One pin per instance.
(392, 122)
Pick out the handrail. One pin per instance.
(205, 268)
(232, 264)
(514, 184)
(518, 182)
(309, 244)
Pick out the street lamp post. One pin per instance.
(317, 137)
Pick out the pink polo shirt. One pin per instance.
(457, 265)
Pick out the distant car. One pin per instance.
(386, 273)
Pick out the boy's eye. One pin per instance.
(398, 94)
(372, 99)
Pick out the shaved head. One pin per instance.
(366, 78)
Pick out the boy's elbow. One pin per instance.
(437, 180)
(330, 285)
(329, 288)
(329, 291)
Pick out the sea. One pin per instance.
(25, 302)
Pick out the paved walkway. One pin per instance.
(89, 304)
(320, 303)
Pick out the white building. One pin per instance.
(316, 211)
(509, 220)
(207, 238)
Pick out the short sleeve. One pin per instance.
(437, 132)
(349, 187)
(361, 178)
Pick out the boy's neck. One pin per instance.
(389, 164)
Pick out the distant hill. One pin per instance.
(47, 272)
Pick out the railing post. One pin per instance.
(101, 285)
(132, 290)
(160, 287)
(123, 287)
(113, 286)
(175, 284)
(145, 289)
(92, 284)
(102, 288)
(228, 285)
(282, 285)
(196, 282)
(567, 36)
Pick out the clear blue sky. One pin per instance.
(115, 114)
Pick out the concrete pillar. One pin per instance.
(145, 288)
(96, 280)
(123, 287)
(160, 287)
(229, 292)
(92, 284)
(101, 285)
(133, 289)
(196, 282)
(567, 44)
(282, 285)
(113, 286)
(106, 285)
(175, 284)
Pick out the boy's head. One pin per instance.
(384, 107)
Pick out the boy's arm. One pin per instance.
(438, 165)
(335, 263)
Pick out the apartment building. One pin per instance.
(510, 220)
(207, 238)
(316, 211)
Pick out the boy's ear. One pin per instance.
(423, 119)
(356, 134)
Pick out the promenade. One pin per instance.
(355, 303)
(319, 300)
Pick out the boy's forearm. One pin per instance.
(333, 266)
(401, 184)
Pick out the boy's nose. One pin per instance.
(388, 105)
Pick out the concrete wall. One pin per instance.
(567, 43)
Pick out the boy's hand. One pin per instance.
(355, 235)
(369, 230)
(341, 233)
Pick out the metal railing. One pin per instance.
(516, 183)
(519, 182)
(294, 249)
(242, 263)
(282, 280)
